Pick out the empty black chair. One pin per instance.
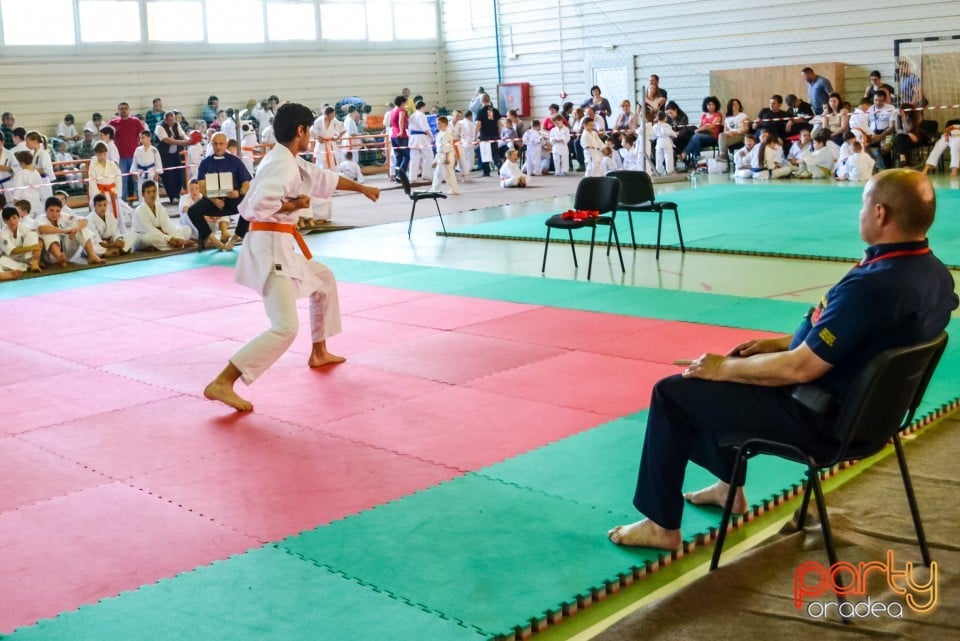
(593, 194)
(882, 402)
(416, 195)
(636, 195)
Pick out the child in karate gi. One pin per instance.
(533, 139)
(29, 185)
(69, 168)
(445, 159)
(153, 226)
(349, 168)
(147, 163)
(64, 238)
(108, 240)
(560, 146)
(467, 130)
(510, 173)
(592, 147)
(858, 166)
(20, 245)
(664, 134)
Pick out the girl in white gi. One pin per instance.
(20, 245)
(28, 185)
(745, 157)
(194, 154)
(533, 143)
(592, 147)
(106, 137)
(951, 139)
(104, 178)
(559, 147)
(510, 173)
(326, 130)
(154, 227)
(42, 161)
(445, 159)
(64, 237)
(467, 147)
(8, 165)
(283, 186)
(147, 163)
(108, 240)
(769, 161)
(607, 163)
(628, 152)
(664, 134)
(420, 152)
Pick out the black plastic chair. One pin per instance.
(416, 195)
(593, 194)
(636, 195)
(882, 402)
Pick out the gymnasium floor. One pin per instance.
(453, 480)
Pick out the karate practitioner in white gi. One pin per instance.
(268, 264)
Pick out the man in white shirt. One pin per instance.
(281, 190)
(882, 119)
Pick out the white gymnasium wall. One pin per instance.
(40, 89)
(680, 40)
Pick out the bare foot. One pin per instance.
(320, 359)
(224, 393)
(716, 494)
(95, 260)
(228, 247)
(212, 242)
(645, 534)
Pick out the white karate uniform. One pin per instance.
(147, 165)
(6, 177)
(267, 137)
(629, 159)
(326, 135)
(73, 177)
(533, 156)
(351, 140)
(860, 124)
(466, 130)
(943, 142)
(43, 163)
(70, 247)
(772, 164)
(101, 177)
(25, 237)
(229, 127)
(744, 161)
(664, 135)
(857, 167)
(270, 266)
(108, 228)
(194, 156)
(559, 139)
(29, 186)
(65, 131)
(350, 169)
(797, 149)
(445, 160)
(592, 146)
(608, 164)
(420, 152)
(154, 228)
(510, 174)
(819, 162)
(113, 153)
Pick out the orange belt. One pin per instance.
(285, 229)
(110, 189)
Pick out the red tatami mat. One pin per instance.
(361, 335)
(56, 399)
(76, 549)
(451, 357)
(310, 397)
(669, 341)
(27, 364)
(154, 436)
(568, 328)
(216, 280)
(592, 382)
(445, 311)
(31, 474)
(465, 428)
(35, 321)
(282, 486)
(356, 297)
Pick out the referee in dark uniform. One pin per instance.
(788, 389)
(488, 129)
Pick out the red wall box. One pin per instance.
(514, 95)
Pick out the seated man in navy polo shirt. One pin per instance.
(898, 295)
(210, 174)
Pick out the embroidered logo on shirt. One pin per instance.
(827, 337)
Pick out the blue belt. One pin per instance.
(146, 167)
(4, 181)
(418, 133)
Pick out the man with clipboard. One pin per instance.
(224, 180)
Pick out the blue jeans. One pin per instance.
(401, 156)
(699, 141)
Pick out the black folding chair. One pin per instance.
(882, 402)
(593, 194)
(636, 195)
(416, 195)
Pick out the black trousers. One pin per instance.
(688, 418)
(205, 207)
(172, 175)
(494, 155)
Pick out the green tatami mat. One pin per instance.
(489, 554)
(813, 221)
(266, 594)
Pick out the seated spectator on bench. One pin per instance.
(835, 120)
(736, 125)
(66, 130)
(800, 114)
(876, 83)
(677, 118)
(83, 149)
(882, 117)
(707, 134)
(907, 128)
(772, 118)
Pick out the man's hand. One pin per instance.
(707, 367)
(370, 192)
(758, 346)
(219, 203)
(233, 194)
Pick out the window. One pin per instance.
(343, 21)
(291, 21)
(109, 21)
(19, 16)
(380, 19)
(415, 20)
(175, 21)
(234, 21)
